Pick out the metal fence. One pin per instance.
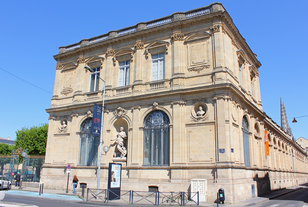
(143, 197)
(31, 168)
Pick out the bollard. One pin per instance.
(39, 189)
(42, 187)
(2, 185)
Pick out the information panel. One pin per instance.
(114, 181)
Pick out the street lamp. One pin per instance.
(101, 135)
(24, 155)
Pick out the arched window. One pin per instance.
(246, 142)
(156, 139)
(88, 144)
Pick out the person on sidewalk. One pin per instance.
(75, 182)
(17, 183)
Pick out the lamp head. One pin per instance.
(88, 68)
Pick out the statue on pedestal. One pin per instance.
(119, 141)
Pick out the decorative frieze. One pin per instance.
(177, 36)
(139, 45)
(67, 90)
(216, 28)
(110, 52)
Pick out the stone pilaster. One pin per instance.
(178, 59)
(139, 63)
(222, 129)
(178, 136)
(137, 138)
(218, 53)
(109, 67)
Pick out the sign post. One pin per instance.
(68, 176)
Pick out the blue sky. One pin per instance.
(32, 31)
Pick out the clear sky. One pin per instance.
(32, 31)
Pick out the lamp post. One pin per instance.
(101, 135)
(24, 155)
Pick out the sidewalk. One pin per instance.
(62, 195)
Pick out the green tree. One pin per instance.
(33, 139)
(6, 149)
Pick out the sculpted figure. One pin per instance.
(200, 112)
(119, 141)
(63, 127)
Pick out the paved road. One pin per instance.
(43, 202)
(297, 198)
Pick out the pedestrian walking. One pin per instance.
(75, 182)
(17, 183)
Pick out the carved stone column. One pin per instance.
(178, 59)
(218, 52)
(139, 62)
(109, 67)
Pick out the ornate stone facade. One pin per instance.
(189, 103)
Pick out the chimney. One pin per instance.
(8, 138)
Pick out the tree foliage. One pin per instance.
(33, 139)
(6, 149)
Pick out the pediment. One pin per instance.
(123, 54)
(94, 61)
(197, 36)
(158, 45)
(241, 55)
(67, 66)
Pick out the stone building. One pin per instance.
(303, 142)
(186, 90)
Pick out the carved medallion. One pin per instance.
(199, 112)
(119, 112)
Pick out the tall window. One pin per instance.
(252, 84)
(94, 84)
(158, 66)
(246, 142)
(124, 73)
(156, 139)
(88, 144)
(240, 73)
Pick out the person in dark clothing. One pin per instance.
(17, 183)
(75, 182)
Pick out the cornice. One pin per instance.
(142, 28)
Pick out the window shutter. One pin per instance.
(161, 70)
(127, 76)
(154, 70)
(121, 77)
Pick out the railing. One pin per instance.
(159, 23)
(122, 90)
(142, 197)
(197, 13)
(125, 32)
(96, 195)
(157, 85)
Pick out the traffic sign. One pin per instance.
(69, 166)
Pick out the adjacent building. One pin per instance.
(182, 103)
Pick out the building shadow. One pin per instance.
(263, 184)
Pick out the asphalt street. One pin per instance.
(294, 199)
(44, 202)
